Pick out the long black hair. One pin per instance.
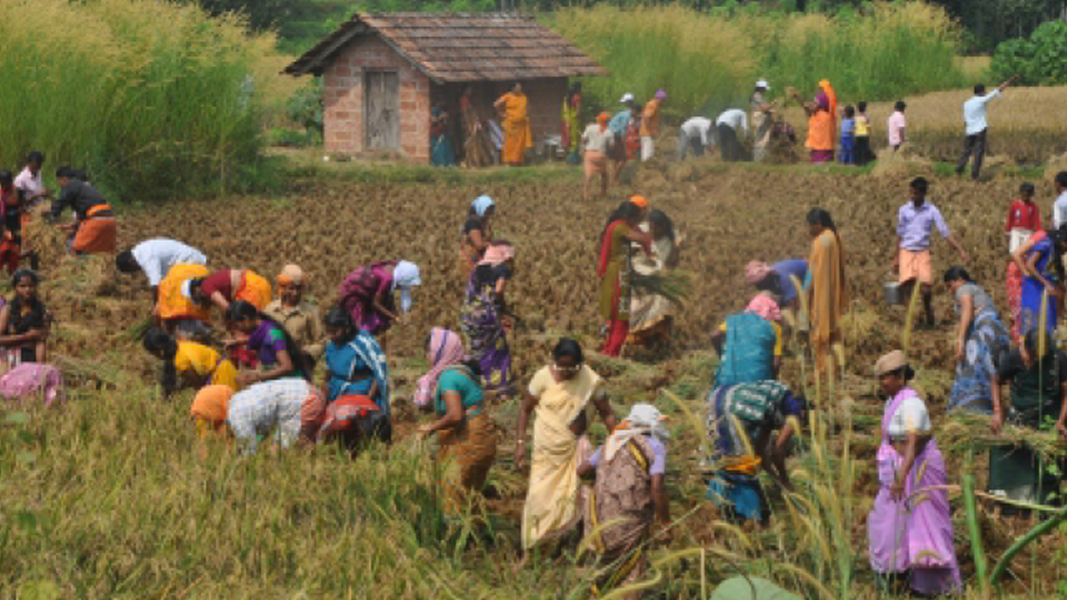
(568, 347)
(820, 216)
(26, 314)
(663, 224)
(162, 344)
(957, 273)
(339, 319)
(240, 310)
(1059, 240)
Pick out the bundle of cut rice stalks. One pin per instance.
(672, 285)
(966, 431)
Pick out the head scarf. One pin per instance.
(291, 275)
(602, 120)
(756, 271)
(661, 94)
(481, 204)
(765, 306)
(446, 349)
(639, 201)
(644, 419)
(497, 254)
(212, 402)
(405, 276)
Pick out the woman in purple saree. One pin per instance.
(485, 315)
(910, 527)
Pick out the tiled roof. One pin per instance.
(461, 47)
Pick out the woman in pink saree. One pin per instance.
(910, 527)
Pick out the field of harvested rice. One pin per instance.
(108, 497)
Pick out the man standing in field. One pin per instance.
(915, 222)
(974, 117)
(650, 125)
(732, 125)
(762, 120)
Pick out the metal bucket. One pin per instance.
(893, 293)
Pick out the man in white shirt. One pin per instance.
(974, 117)
(1059, 209)
(696, 135)
(29, 180)
(155, 258)
(730, 124)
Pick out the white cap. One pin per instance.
(626, 98)
(762, 85)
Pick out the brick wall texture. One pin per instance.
(343, 99)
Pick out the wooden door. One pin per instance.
(381, 111)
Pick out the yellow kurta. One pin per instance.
(552, 499)
(517, 136)
(205, 362)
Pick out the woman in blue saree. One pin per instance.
(356, 386)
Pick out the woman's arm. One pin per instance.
(661, 501)
(1019, 256)
(529, 403)
(378, 305)
(966, 317)
(220, 301)
(910, 451)
(997, 420)
(29, 336)
(453, 414)
(603, 406)
(284, 367)
(644, 239)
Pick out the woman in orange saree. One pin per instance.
(517, 136)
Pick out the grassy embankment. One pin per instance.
(156, 100)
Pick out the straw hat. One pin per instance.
(894, 361)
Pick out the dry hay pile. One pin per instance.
(904, 162)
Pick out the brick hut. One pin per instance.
(383, 73)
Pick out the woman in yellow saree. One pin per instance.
(516, 125)
(827, 290)
(561, 394)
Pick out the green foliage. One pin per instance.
(1040, 60)
(155, 100)
(305, 109)
(708, 61)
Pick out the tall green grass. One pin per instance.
(156, 100)
(709, 61)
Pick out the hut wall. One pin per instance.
(344, 94)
